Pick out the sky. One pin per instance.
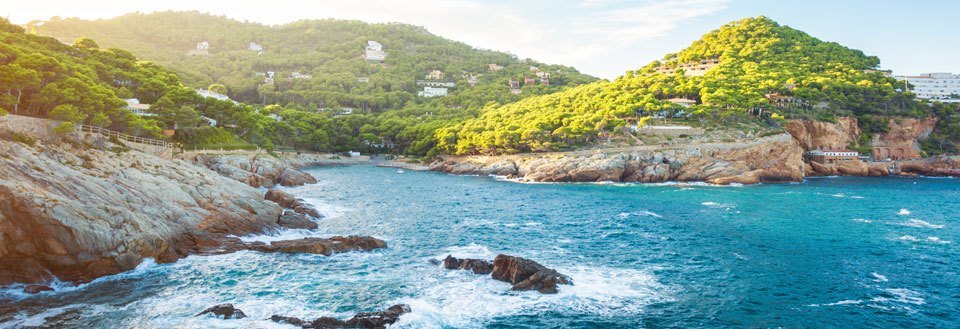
(604, 38)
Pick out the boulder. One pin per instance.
(293, 177)
(366, 320)
(227, 311)
(525, 274)
(36, 288)
(295, 220)
(286, 200)
(478, 266)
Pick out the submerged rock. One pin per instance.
(319, 246)
(478, 266)
(227, 311)
(366, 320)
(525, 274)
(36, 288)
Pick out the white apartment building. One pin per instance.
(942, 87)
(433, 92)
(374, 51)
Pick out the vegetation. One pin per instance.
(765, 70)
(382, 96)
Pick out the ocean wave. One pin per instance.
(463, 300)
(281, 235)
(903, 212)
(930, 239)
(862, 220)
(326, 209)
(15, 291)
(715, 205)
(643, 213)
(472, 250)
(913, 222)
(877, 277)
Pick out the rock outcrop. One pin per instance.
(295, 220)
(937, 166)
(288, 201)
(478, 266)
(227, 311)
(318, 246)
(78, 213)
(903, 138)
(36, 288)
(849, 168)
(525, 274)
(256, 171)
(770, 159)
(367, 320)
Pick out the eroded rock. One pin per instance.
(36, 288)
(319, 246)
(525, 274)
(295, 220)
(227, 311)
(286, 200)
(366, 320)
(478, 266)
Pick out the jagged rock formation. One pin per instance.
(227, 311)
(367, 320)
(903, 138)
(938, 166)
(256, 171)
(525, 274)
(477, 266)
(79, 213)
(294, 220)
(288, 201)
(769, 159)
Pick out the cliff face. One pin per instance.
(78, 213)
(775, 158)
(904, 137)
(819, 134)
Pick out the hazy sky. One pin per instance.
(599, 37)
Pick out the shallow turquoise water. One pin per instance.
(832, 252)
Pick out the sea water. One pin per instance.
(829, 252)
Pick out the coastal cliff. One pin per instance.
(821, 134)
(770, 159)
(75, 212)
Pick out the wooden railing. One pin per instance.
(167, 146)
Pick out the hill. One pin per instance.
(322, 66)
(752, 70)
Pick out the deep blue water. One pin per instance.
(831, 252)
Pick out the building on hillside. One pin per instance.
(202, 49)
(363, 79)
(473, 79)
(217, 96)
(941, 87)
(254, 47)
(435, 75)
(298, 75)
(494, 67)
(779, 100)
(432, 92)
(683, 102)
(203, 45)
(133, 105)
(691, 69)
(832, 156)
(529, 82)
(374, 52)
(210, 121)
(437, 84)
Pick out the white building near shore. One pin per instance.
(941, 87)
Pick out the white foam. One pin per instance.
(840, 303)
(909, 238)
(862, 220)
(326, 209)
(643, 213)
(464, 300)
(901, 295)
(877, 277)
(838, 195)
(937, 240)
(472, 250)
(281, 235)
(913, 222)
(903, 212)
(23, 319)
(714, 205)
(15, 291)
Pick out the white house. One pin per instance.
(432, 92)
(203, 45)
(941, 87)
(374, 51)
(298, 75)
(210, 121)
(133, 105)
(253, 46)
(435, 75)
(683, 102)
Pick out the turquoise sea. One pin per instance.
(825, 253)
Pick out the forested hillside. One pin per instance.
(319, 68)
(753, 69)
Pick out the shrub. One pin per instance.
(23, 139)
